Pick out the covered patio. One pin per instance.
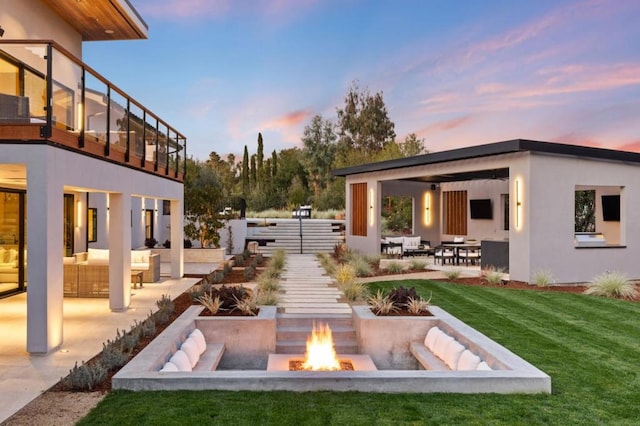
(515, 198)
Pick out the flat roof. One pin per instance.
(497, 148)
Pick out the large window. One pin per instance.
(13, 250)
(397, 213)
(455, 212)
(359, 209)
(585, 211)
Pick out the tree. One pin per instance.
(260, 158)
(274, 163)
(202, 197)
(364, 123)
(412, 146)
(319, 141)
(252, 170)
(245, 171)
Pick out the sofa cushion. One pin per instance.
(140, 256)
(190, 347)
(458, 240)
(452, 354)
(411, 243)
(395, 240)
(200, 340)
(168, 366)
(483, 366)
(441, 345)
(432, 335)
(468, 361)
(139, 266)
(98, 256)
(181, 360)
(68, 260)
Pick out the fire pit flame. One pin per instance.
(321, 354)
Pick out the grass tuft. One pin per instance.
(612, 284)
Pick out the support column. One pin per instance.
(177, 237)
(44, 246)
(119, 251)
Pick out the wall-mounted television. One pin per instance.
(611, 208)
(481, 209)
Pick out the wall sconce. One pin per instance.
(518, 190)
(426, 220)
(78, 214)
(371, 209)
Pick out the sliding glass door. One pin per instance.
(13, 249)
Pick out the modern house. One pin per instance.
(82, 164)
(518, 198)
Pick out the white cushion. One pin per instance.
(483, 366)
(200, 340)
(181, 360)
(467, 361)
(411, 243)
(140, 256)
(458, 239)
(432, 335)
(140, 266)
(452, 354)
(169, 366)
(441, 345)
(395, 240)
(68, 260)
(98, 254)
(190, 347)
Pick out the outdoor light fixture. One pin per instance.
(427, 209)
(371, 209)
(518, 190)
(79, 214)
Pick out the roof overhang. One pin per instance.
(101, 19)
(498, 148)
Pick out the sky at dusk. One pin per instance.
(456, 73)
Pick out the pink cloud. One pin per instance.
(293, 118)
(633, 146)
(443, 126)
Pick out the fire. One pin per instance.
(320, 354)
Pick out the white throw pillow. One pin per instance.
(441, 345)
(168, 366)
(181, 360)
(432, 335)
(468, 361)
(200, 340)
(190, 347)
(483, 366)
(452, 354)
(395, 240)
(458, 239)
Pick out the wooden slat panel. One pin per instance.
(359, 209)
(455, 212)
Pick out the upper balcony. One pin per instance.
(48, 95)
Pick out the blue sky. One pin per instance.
(456, 73)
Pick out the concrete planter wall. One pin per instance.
(198, 255)
(386, 339)
(248, 340)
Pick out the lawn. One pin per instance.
(589, 346)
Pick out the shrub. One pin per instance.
(249, 272)
(416, 306)
(327, 263)
(361, 267)
(167, 244)
(381, 305)
(542, 278)
(492, 276)
(148, 327)
(344, 274)
(213, 304)
(239, 260)
(267, 298)
(453, 274)
(86, 376)
(418, 265)
(400, 296)
(259, 259)
(339, 250)
(266, 283)
(246, 253)
(354, 290)
(130, 340)
(150, 242)
(394, 267)
(112, 357)
(247, 306)
(229, 295)
(187, 244)
(612, 284)
(278, 259)
(165, 304)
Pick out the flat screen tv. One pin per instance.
(611, 208)
(481, 209)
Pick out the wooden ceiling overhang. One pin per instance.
(101, 19)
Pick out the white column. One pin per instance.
(44, 246)
(177, 238)
(119, 251)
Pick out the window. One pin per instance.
(359, 209)
(398, 212)
(585, 211)
(504, 199)
(92, 225)
(148, 223)
(166, 207)
(455, 212)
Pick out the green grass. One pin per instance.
(588, 345)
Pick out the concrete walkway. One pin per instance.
(307, 289)
(87, 324)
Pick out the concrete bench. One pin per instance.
(426, 358)
(210, 358)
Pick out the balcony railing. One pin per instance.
(48, 94)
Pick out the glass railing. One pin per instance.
(41, 84)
